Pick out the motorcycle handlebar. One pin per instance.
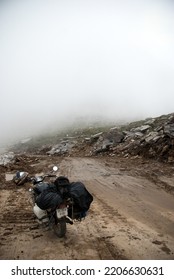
(35, 180)
(49, 175)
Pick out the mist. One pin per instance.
(62, 61)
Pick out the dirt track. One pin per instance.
(131, 217)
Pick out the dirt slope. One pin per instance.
(132, 216)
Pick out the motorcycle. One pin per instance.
(57, 218)
(67, 203)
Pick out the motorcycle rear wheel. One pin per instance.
(60, 228)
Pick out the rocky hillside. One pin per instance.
(149, 138)
(153, 138)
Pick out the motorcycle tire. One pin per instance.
(60, 228)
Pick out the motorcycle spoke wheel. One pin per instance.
(60, 228)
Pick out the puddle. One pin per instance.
(9, 176)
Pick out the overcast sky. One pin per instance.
(64, 59)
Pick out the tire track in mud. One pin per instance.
(18, 223)
(17, 211)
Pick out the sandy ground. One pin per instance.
(131, 217)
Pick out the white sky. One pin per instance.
(64, 59)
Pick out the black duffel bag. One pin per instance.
(81, 197)
(49, 198)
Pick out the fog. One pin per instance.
(63, 61)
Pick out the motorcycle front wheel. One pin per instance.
(60, 228)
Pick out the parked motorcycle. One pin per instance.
(67, 207)
(56, 218)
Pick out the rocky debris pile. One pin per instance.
(150, 138)
(7, 158)
(153, 139)
(62, 148)
(107, 140)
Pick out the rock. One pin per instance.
(61, 149)
(114, 128)
(142, 128)
(7, 158)
(169, 130)
(138, 134)
(151, 136)
(115, 136)
(96, 136)
(87, 139)
(150, 121)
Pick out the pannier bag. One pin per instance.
(48, 199)
(40, 187)
(82, 199)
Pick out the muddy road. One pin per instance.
(131, 217)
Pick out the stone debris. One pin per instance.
(149, 138)
(153, 139)
(142, 128)
(157, 141)
(7, 158)
(62, 148)
(108, 140)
